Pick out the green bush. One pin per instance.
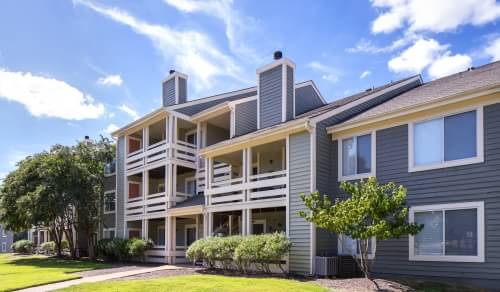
(112, 249)
(64, 245)
(48, 247)
(22, 246)
(136, 248)
(242, 251)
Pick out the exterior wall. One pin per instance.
(306, 99)
(216, 134)
(182, 90)
(196, 108)
(108, 220)
(245, 118)
(180, 229)
(169, 92)
(300, 182)
(475, 182)
(181, 180)
(6, 240)
(120, 187)
(290, 78)
(270, 97)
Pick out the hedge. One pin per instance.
(118, 249)
(22, 246)
(241, 251)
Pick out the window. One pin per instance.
(259, 226)
(134, 190)
(452, 232)
(108, 233)
(357, 157)
(4, 246)
(446, 141)
(349, 246)
(109, 202)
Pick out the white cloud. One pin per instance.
(431, 15)
(449, 64)
(48, 97)
(493, 50)
(365, 74)
(240, 29)
(366, 46)
(429, 53)
(191, 51)
(328, 73)
(110, 80)
(129, 111)
(111, 128)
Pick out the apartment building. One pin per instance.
(234, 163)
(6, 240)
(237, 163)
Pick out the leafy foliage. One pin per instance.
(372, 210)
(136, 248)
(241, 251)
(48, 247)
(22, 246)
(118, 249)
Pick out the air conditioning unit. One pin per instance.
(327, 266)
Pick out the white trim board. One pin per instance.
(373, 153)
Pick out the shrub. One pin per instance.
(112, 249)
(48, 247)
(22, 246)
(195, 251)
(249, 251)
(276, 247)
(64, 245)
(136, 248)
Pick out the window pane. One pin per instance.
(428, 142)
(348, 157)
(364, 162)
(349, 245)
(430, 240)
(461, 232)
(460, 136)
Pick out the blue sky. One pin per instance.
(75, 68)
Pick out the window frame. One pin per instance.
(188, 180)
(479, 158)
(373, 140)
(104, 202)
(370, 254)
(479, 258)
(104, 230)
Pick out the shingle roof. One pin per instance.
(343, 101)
(476, 78)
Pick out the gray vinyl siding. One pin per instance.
(289, 93)
(216, 134)
(120, 188)
(270, 97)
(182, 90)
(108, 220)
(476, 182)
(326, 158)
(196, 108)
(300, 182)
(8, 239)
(169, 92)
(245, 118)
(110, 183)
(306, 99)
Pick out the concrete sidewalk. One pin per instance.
(99, 278)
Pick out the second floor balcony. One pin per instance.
(252, 174)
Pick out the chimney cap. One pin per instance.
(278, 55)
(172, 71)
(87, 137)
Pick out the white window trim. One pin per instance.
(128, 143)
(187, 180)
(4, 232)
(341, 176)
(260, 221)
(479, 258)
(370, 255)
(479, 158)
(104, 230)
(104, 202)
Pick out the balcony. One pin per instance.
(249, 175)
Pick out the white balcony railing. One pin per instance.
(183, 151)
(258, 187)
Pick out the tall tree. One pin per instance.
(371, 211)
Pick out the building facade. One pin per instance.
(6, 240)
(237, 163)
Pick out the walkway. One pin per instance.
(99, 278)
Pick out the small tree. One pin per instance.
(372, 210)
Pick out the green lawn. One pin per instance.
(22, 271)
(201, 283)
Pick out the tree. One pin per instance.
(371, 211)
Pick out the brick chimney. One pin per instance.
(174, 88)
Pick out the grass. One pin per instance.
(18, 272)
(201, 283)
